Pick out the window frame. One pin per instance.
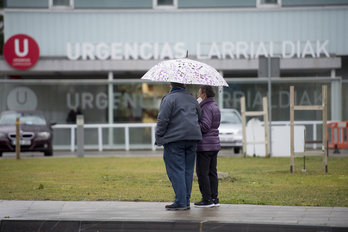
(51, 6)
(262, 5)
(159, 7)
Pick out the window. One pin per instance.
(61, 4)
(269, 3)
(165, 4)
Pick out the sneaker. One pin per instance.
(216, 202)
(175, 207)
(188, 206)
(204, 204)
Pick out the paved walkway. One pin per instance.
(324, 217)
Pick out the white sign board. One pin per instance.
(255, 132)
(281, 140)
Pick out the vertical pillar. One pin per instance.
(72, 139)
(153, 139)
(80, 135)
(292, 103)
(242, 109)
(273, 63)
(111, 107)
(126, 137)
(221, 94)
(336, 97)
(324, 111)
(18, 139)
(266, 126)
(100, 138)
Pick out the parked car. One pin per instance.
(230, 130)
(35, 132)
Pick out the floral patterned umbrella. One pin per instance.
(185, 71)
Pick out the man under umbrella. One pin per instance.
(178, 131)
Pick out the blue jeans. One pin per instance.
(179, 158)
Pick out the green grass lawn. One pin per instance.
(263, 181)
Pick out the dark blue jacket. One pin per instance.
(209, 124)
(177, 118)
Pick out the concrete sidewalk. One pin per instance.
(152, 216)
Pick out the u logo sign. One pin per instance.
(21, 51)
(25, 48)
(22, 98)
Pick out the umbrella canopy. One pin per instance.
(185, 71)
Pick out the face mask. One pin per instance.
(199, 100)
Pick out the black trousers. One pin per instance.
(206, 163)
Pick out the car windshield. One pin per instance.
(25, 118)
(230, 117)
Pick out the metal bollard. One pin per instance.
(18, 137)
(80, 135)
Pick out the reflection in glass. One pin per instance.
(61, 2)
(269, 1)
(25, 119)
(165, 2)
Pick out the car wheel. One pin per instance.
(49, 152)
(0, 153)
(236, 150)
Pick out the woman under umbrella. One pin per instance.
(208, 148)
